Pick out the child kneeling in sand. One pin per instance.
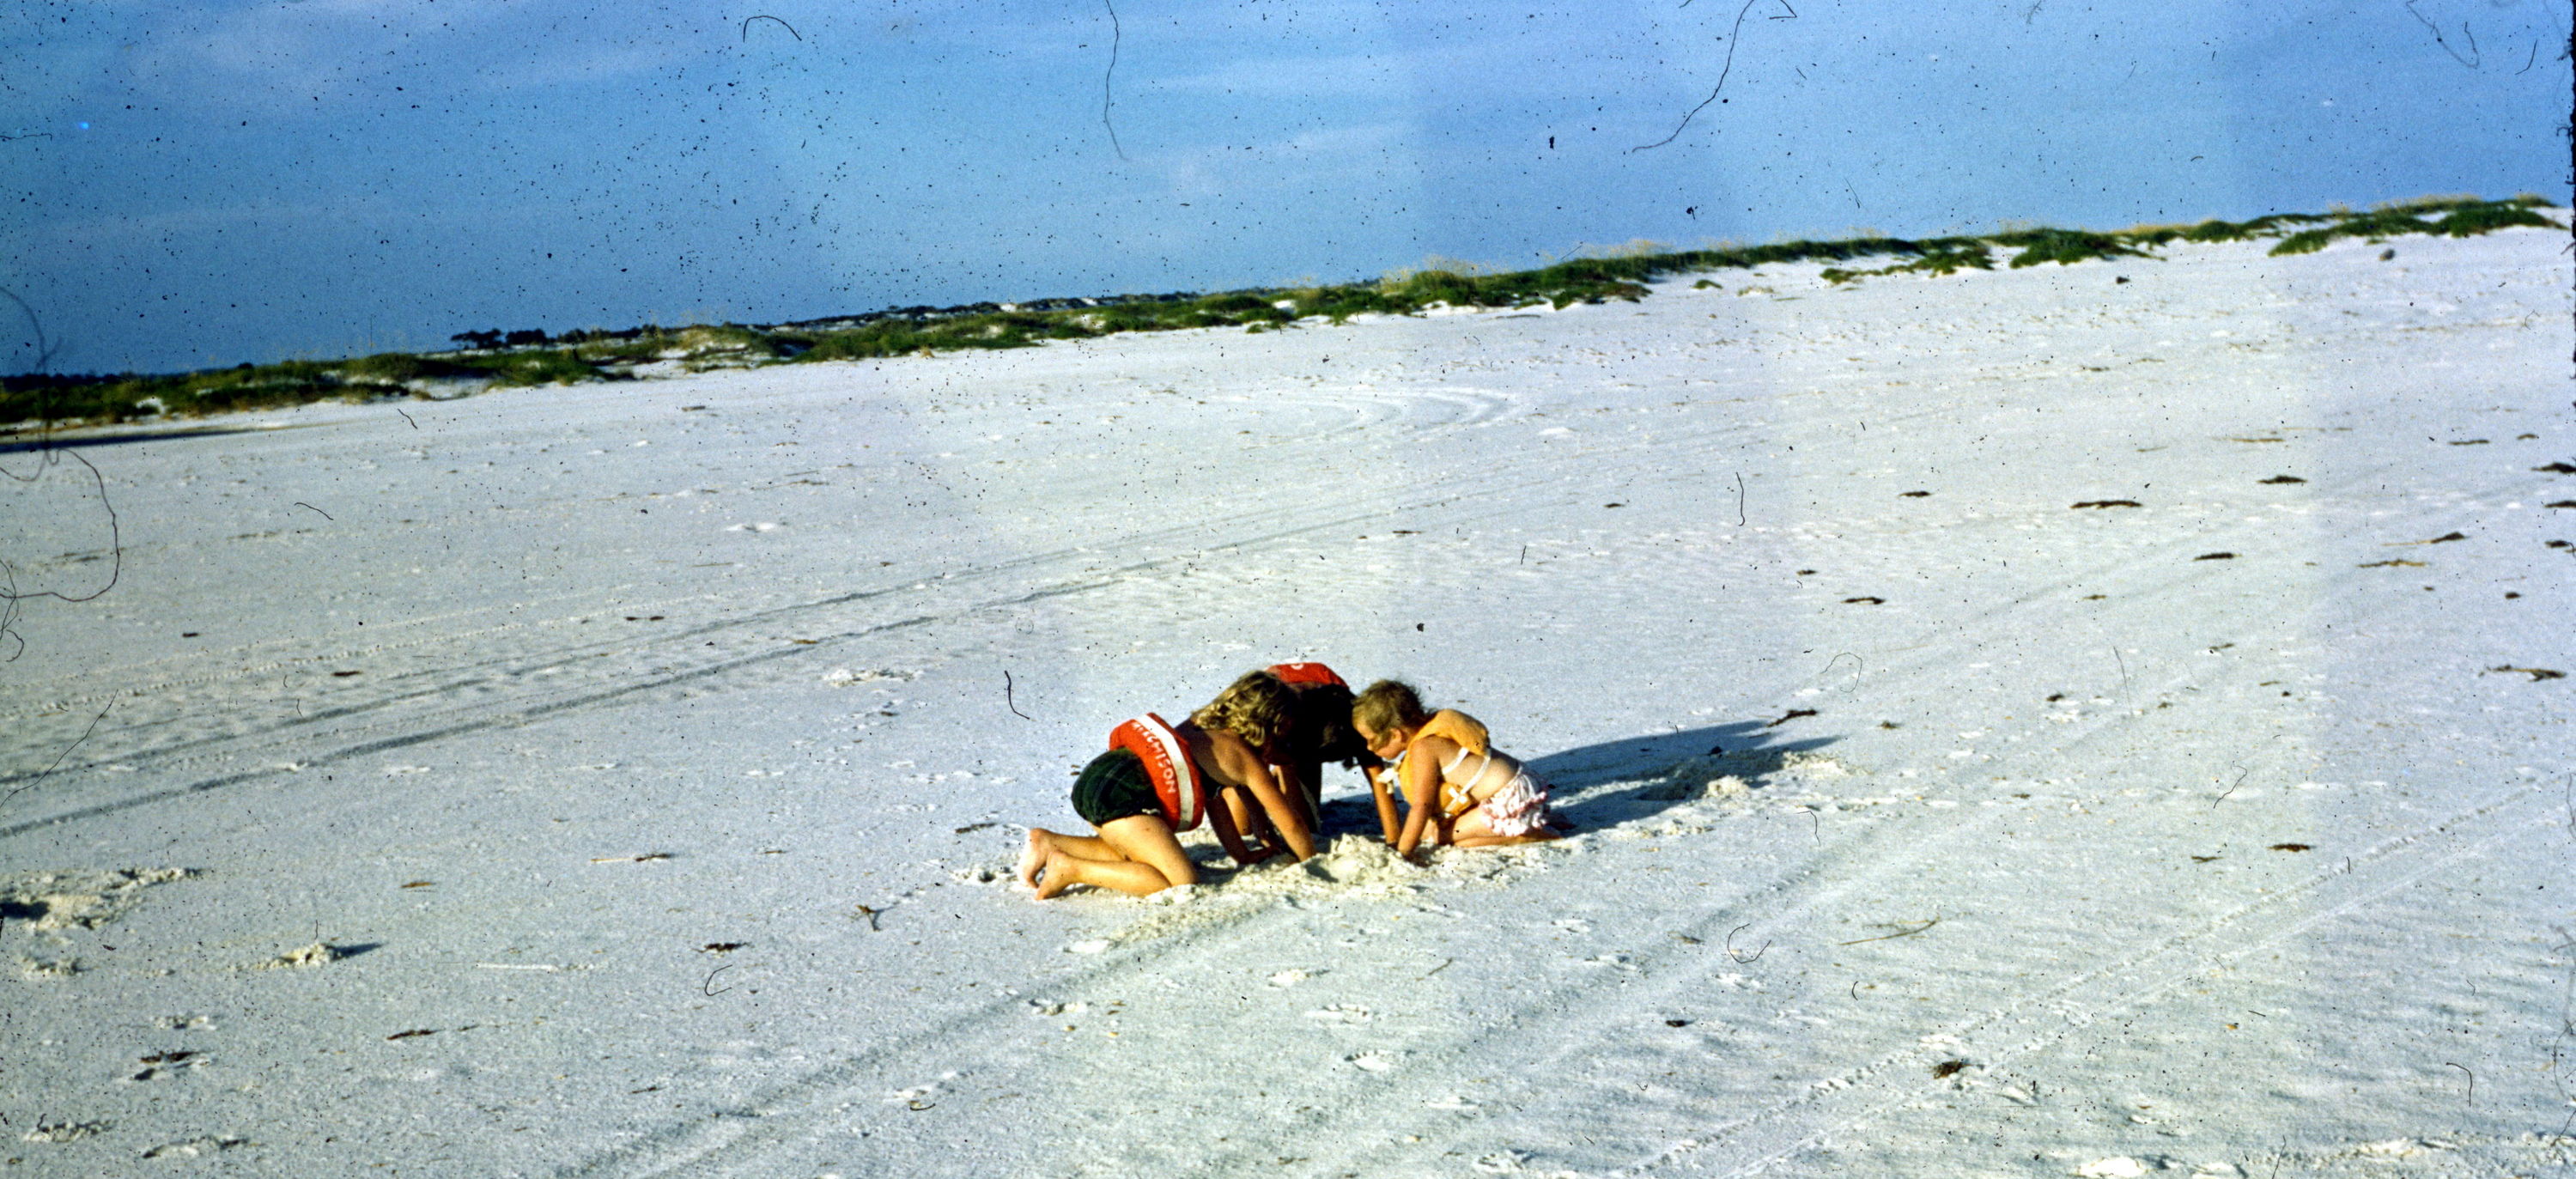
(1137, 851)
(1458, 789)
(1319, 731)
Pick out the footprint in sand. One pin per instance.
(2115, 1167)
(36, 969)
(195, 1148)
(922, 1096)
(171, 1063)
(65, 1131)
(317, 954)
(1341, 1013)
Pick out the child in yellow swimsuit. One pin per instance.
(1459, 789)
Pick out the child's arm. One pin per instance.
(1240, 762)
(1248, 820)
(1221, 821)
(1420, 777)
(1385, 800)
(1297, 781)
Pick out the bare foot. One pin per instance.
(1051, 876)
(1033, 858)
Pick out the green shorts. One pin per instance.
(1115, 786)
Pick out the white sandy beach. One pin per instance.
(649, 759)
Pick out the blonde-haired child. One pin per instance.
(1137, 851)
(1458, 788)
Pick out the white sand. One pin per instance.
(613, 682)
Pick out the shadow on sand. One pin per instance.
(74, 440)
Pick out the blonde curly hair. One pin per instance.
(1255, 707)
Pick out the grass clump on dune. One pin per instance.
(492, 358)
(2064, 246)
(2298, 233)
(2461, 216)
(92, 398)
(1947, 255)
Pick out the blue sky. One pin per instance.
(199, 184)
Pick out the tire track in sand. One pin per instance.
(181, 695)
(1573, 1024)
(377, 732)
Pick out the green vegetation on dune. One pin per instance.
(525, 358)
(2463, 217)
(2064, 246)
(1946, 255)
(126, 397)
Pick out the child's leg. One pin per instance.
(1033, 857)
(1042, 841)
(1473, 829)
(1149, 860)
(1541, 836)
(1086, 847)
